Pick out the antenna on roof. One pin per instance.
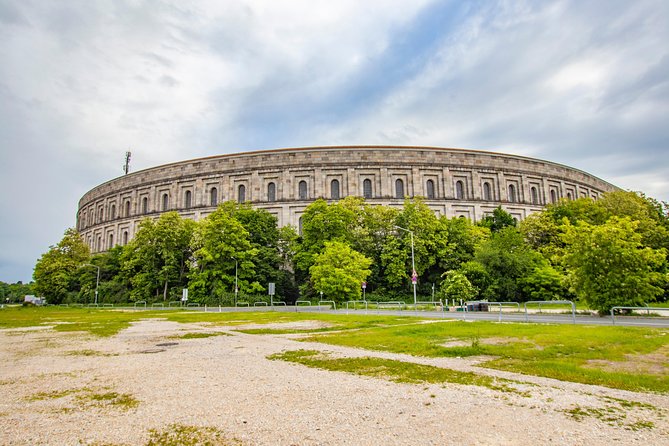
(126, 166)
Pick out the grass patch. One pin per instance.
(123, 401)
(562, 352)
(616, 412)
(397, 371)
(86, 398)
(55, 394)
(182, 435)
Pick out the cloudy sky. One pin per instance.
(584, 83)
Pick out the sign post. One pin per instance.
(364, 287)
(271, 290)
(184, 296)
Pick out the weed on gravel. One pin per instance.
(182, 435)
(630, 415)
(85, 398)
(87, 352)
(199, 335)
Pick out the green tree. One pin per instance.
(464, 238)
(157, 257)
(507, 259)
(544, 283)
(430, 235)
(499, 219)
(219, 244)
(15, 292)
(321, 223)
(55, 270)
(609, 266)
(477, 275)
(456, 286)
(114, 285)
(339, 272)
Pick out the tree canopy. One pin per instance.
(606, 252)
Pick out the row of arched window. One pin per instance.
(97, 246)
(303, 194)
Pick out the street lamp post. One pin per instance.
(97, 283)
(236, 285)
(414, 276)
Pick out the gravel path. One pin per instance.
(66, 389)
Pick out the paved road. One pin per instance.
(546, 318)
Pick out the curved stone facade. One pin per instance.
(454, 182)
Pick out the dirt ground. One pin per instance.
(70, 388)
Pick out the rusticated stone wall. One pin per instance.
(455, 182)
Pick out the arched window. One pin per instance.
(512, 193)
(487, 192)
(113, 211)
(553, 196)
(125, 237)
(99, 243)
(367, 188)
(188, 199)
(535, 195)
(111, 241)
(334, 189)
(302, 190)
(271, 192)
(213, 196)
(399, 188)
(568, 195)
(166, 201)
(459, 190)
(299, 226)
(127, 208)
(430, 189)
(241, 193)
(145, 205)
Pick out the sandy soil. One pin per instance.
(71, 388)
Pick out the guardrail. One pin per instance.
(499, 304)
(552, 302)
(139, 303)
(242, 304)
(255, 304)
(434, 303)
(647, 308)
(334, 305)
(400, 305)
(355, 302)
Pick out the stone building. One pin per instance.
(454, 182)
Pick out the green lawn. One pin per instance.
(108, 322)
(621, 357)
